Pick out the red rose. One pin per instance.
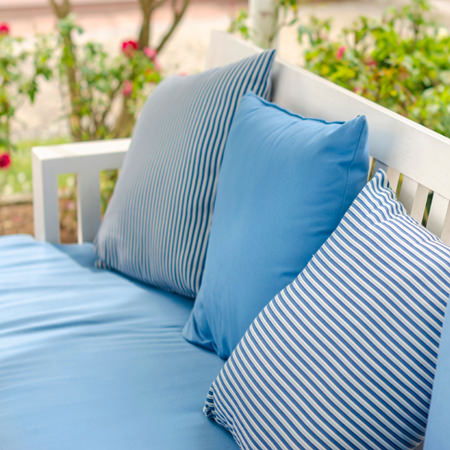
(5, 160)
(340, 52)
(129, 47)
(4, 28)
(127, 88)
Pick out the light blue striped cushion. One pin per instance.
(157, 223)
(344, 357)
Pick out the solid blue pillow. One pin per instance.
(344, 357)
(438, 428)
(285, 183)
(157, 223)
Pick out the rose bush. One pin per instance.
(401, 61)
(17, 84)
(104, 91)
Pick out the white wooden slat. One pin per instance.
(419, 153)
(438, 213)
(86, 159)
(393, 177)
(45, 201)
(419, 203)
(88, 204)
(445, 234)
(408, 192)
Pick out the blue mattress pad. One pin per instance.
(92, 360)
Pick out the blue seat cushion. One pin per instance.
(92, 360)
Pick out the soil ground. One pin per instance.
(18, 218)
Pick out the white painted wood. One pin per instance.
(445, 234)
(86, 159)
(88, 204)
(419, 203)
(393, 177)
(45, 201)
(408, 192)
(263, 15)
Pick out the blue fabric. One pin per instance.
(285, 183)
(438, 427)
(157, 224)
(344, 357)
(90, 360)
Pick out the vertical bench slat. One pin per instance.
(419, 203)
(393, 177)
(88, 205)
(45, 201)
(438, 213)
(445, 234)
(408, 193)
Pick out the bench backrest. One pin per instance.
(416, 159)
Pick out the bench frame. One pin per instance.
(399, 145)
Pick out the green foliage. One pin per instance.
(401, 61)
(239, 24)
(97, 80)
(17, 179)
(17, 84)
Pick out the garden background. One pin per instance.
(81, 70)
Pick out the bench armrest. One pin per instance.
(86, 160)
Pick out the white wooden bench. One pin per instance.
(396, 144)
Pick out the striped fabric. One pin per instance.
(157, 223)
(344, 357)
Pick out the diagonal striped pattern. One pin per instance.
(344, 357)
(157, 223)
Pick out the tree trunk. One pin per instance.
(146, 14)
(62, 10)
(74, 92)
(124, 124)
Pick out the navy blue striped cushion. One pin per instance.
(344, 357)
(157, 223)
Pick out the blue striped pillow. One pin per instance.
(344, 357)
(157, 223)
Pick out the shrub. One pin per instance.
(105, 91)
(96, 81)
(401, 61)
(18, 83)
